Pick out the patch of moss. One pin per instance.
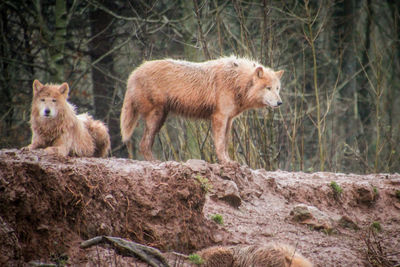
(217, 218)
(204, 183)
(377, 226)
(196, 259)
(376, 192)
(337, 190)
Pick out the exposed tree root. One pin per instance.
(124, 247)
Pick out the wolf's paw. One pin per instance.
(27, 148)
(52, 151)
(56, 151)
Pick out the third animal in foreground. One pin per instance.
(269, 255)
(218, 90)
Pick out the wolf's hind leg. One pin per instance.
(154, 120)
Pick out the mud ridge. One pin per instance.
(49, 205)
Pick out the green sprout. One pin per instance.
(196, 259)
(337, 190)
(217, 218)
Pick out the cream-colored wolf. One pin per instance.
(218, 90)
(56, 127)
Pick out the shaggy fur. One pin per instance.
(217, 256)
(56, 127)
(270, 255)
(218, 90)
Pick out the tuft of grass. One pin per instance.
(376, 192)
(196, 259)
(204, 183)
(59, 259)
(328, 231)
(377, 227)
(217, 218)
(337, 190)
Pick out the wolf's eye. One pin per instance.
(54, 101)
(268, 88)
(42, 99)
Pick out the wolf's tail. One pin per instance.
(129, 117)
(99, 133)
(100, 136)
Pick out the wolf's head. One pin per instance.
(267, 86)
(48, 99)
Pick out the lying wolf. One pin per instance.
(56, 127)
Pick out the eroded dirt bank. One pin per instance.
(49, 205)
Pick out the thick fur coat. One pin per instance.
(218, 90)
(269, 255)
(56, 127)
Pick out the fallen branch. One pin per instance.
(124, 247)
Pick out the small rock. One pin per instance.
(311, 216)
(218, 238)
(228, 191)
(346, 222)
(155, 212)
(197, 165)
(365, 195)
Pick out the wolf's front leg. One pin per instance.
(61, 147)
(220, 124)
(227, 135)
(36, 143)
(29, 147)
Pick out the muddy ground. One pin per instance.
(49, 205)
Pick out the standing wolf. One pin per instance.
(56, 127)
(218, 90)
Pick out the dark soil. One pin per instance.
(49, 205)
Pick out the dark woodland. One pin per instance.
(341, 96)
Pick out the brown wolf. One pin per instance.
(218, 90)
(269, 255)
(56, 127)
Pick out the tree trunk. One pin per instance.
(363, 96)
(103, 85)
(345, 30)
(57, 48)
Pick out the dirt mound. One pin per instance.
(51, 202)
(49, 205)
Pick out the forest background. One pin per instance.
(340, 87)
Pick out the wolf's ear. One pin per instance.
(37, 86)
(279, 73)
(259, 72)
(64, 89)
